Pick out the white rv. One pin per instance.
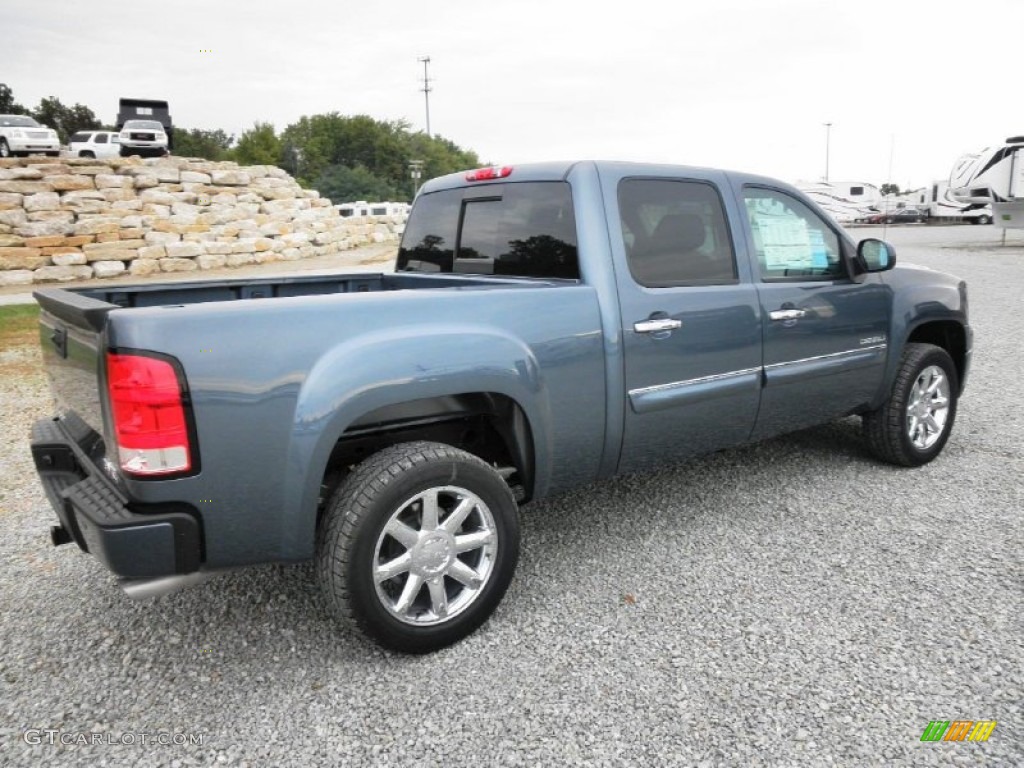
(363, 208)
(940, 204)
(911, 199)
(845, 201)
(993, 176)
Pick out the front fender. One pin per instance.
(922, 296)
(394, 366)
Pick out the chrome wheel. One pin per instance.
(435, 555)
(928, 407)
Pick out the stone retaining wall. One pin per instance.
(77, 219)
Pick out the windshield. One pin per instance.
(149, 125)
(18, 121)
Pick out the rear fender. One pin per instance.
(395, 366)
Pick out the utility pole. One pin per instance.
(828, 137)
(892, 151)
(426, 87)
(415, 172)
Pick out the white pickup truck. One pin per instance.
(145, 138)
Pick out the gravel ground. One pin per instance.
(789, 604)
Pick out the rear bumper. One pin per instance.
(133, 541)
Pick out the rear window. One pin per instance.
(523, 229)
(79, 137)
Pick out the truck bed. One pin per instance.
(87, 307)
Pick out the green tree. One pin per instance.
(342, 184)
(258, 146)
(890, 189)
(333, 139)
(439, 155)
(65, 120)
(8, 106)
(315, 146)
(200, 142)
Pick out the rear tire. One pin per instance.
(87, 153)
(418, 546)
(913, 425)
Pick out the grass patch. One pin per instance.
(19, 325)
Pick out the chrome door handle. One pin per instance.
(786, 314)
(654, 326)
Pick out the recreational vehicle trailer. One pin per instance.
(993, 176)
(940, 204)
(845, 201)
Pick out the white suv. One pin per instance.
(145, 138)
(95, 144)
(21, 135)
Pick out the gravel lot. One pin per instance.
(793, 604)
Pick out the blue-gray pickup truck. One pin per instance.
(545, 326)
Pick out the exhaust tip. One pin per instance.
(145, 589)
(59, 535)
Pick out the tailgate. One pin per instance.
(71, 337)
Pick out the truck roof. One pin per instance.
(558, 171)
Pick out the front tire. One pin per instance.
(5, 149)
(418, 546)
(912, 427)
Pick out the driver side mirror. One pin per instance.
(875, 255)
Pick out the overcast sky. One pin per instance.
(743, 84)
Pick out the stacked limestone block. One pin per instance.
(77, 219)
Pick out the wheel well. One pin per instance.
(488, 425)
(947, 334)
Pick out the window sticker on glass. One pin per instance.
(785, 241)
(819, 251)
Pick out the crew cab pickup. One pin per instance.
(545, 326)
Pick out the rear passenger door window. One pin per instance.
(101, 138)
(790, 240)
(675, 233)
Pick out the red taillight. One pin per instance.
(148, 414)
(485, 174)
